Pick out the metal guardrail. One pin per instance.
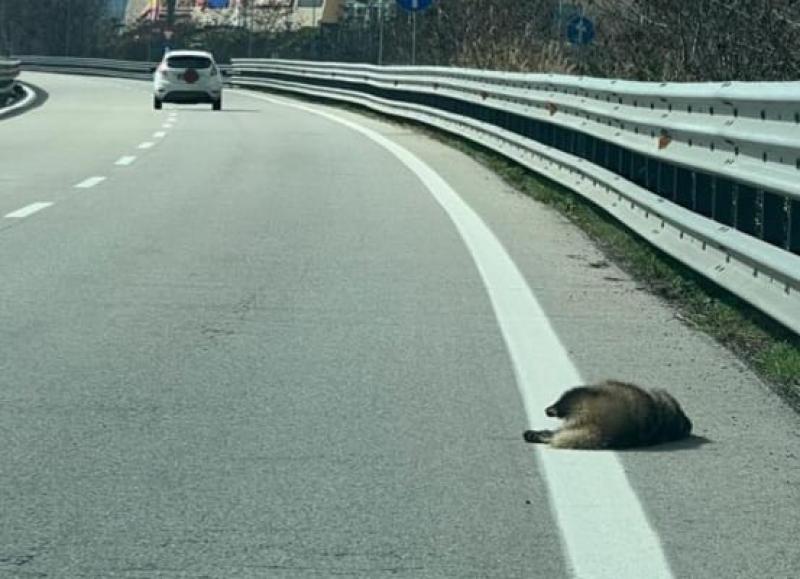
(9, 69)
(89, 66)
(138, 70)
(707, 172)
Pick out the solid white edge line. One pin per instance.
(90, 182)
(29, 96)
(125, 161)
(604, 529)
(28, 210)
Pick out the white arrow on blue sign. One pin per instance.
(580, 31)
(414, 5)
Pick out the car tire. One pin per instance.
(217, 104)
(156, 104)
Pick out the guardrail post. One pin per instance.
(652, 173)
(704, 194)
(684, 187)
(666, 181)
(746, 210)
(775, 221)
(724, 202)
(8, 73)
(639, 169)
(626, 163)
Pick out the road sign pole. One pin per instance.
(170, 14)
(413, 38)
(66, 31)
(560, 21)
(250, 13)
(380, 32)
(414, 6)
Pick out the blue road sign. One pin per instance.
(414, 5)
(580, 30)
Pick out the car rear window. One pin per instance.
(188, 62)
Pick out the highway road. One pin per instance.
(286, 340)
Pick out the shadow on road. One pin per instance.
(690, 443)
(40, 98)
(224, 110)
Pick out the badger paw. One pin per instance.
(537, 436)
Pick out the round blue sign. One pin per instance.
(580, 30)
(414, 5)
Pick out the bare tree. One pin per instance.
(699, 40)
(637, 39)
(53, 27)
(664, 40)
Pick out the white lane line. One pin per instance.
(125, 161)
(28, 210)
(166, 126)
(90, 182)
(159, 134)
(29, 96)
(146, 145)
(604, 528)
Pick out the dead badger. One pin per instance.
(613, 414)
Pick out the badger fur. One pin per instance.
(613, 414)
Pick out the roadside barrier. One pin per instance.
(9, 69)
(89, 66)
(133, 69)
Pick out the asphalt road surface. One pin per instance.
(284, 340)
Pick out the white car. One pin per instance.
(188, 76)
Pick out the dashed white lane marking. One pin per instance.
(166, 126)
(90, 182)
(28, 210)
(604, 528)
(159, 134)
(125, 161)
(146, 145)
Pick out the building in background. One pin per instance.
(316, 12)
(140, 9)
(291, 13)
(116, 9)
(366, 12)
